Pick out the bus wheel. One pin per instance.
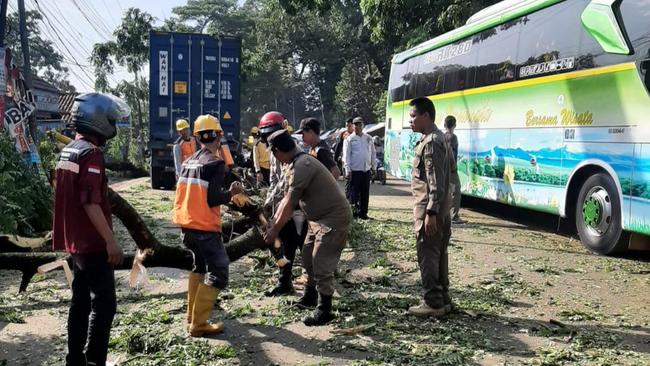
(598, 216)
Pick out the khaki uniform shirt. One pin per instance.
(312, 185)
(430, 177)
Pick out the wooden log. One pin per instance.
(163, 256)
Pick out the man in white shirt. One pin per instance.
(359, 160)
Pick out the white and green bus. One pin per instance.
(553, 111)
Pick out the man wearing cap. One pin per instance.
(312, 185)
(184, 146)
(359, 160)
(310, 130)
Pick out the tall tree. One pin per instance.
(45, 60)
(130, 49)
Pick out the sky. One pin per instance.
(76, 25)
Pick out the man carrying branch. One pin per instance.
(312, 185)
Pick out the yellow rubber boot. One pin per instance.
(203, 305)
(192, 285)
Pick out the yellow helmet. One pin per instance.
(182, 124)
(206, 122)
(290, 129)
(254, 130)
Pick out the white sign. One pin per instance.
(208, 92)
(163, 67)
(226, 93)
(547, 67)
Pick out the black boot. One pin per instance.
(284, 286)
(323, 313)
(309, 298)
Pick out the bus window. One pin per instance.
(495, 60)
(430, 77)
(458, 61)
(396, 82)
(411, 78)
(635, 20)
(550, 34)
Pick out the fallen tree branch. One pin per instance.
(163, 256)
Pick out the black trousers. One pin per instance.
(210, 257)
(266, 173)
(291, 241)
(360, 193)
(92, 310)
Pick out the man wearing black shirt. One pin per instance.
(310, 130)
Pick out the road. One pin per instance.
(523, 294)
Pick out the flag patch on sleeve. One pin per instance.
(94, 169)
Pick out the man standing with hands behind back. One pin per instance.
(359, 158)
(430, 185)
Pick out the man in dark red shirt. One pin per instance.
(82, 227)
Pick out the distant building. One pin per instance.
(46, 97)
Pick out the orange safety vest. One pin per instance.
(226, 156)
(188, 148)
(191, 210)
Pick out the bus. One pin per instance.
(552, 108)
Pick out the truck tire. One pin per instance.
(156, 178)
(598, 217)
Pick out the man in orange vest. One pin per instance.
(184, 146)
(199, 195)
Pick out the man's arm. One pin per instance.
(256, 157)
(373, 154)
(433, 168)
(178, 164)
(346, 155)
(97, 218)
(217, 195)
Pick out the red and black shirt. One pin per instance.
(80, 180)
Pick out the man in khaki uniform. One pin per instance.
(312, 185)
(430, 185)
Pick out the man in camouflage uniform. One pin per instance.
(430, 185)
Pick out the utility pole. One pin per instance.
(27, 69)
(3, 23)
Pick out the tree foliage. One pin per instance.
(130, 49)
(46, 62)
(26, 199)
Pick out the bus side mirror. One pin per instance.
(600, 21)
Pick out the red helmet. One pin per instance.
(270, 122)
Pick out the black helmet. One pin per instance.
(97, 114)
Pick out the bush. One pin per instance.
(26, 198)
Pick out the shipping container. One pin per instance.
(190, 75)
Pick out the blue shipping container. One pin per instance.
(190, 75)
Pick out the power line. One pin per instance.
(92, 24)
(58, 36)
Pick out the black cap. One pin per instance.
(309, 124)
(280, 140)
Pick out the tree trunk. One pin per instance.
(163, 256)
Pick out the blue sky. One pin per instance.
(75, 34)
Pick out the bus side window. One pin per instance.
(549, 34)
(430, 75)
(459, 65)
(397, 82)
(411, 78)
(496, 61)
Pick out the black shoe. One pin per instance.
(309, 298)
(365, 217)
(323, 313)
(280, 290)
(457, 220)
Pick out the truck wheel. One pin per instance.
(598, 216)
(156, 178)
